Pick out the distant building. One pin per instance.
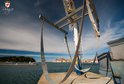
(62, 60)
(89, 61)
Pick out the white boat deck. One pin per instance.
(93, 78)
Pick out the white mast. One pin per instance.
(69, 8)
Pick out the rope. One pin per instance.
(87, 69)
(95, 24)
(109, 80)
(44, 65)
(92, 19)
(66, 41)
(71, 68)
(94, 11)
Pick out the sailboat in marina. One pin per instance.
(81, 75)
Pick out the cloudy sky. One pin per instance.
(20, 28)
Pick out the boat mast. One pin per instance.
(69, 8)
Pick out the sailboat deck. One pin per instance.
(93, 78)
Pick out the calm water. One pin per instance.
(30, 74)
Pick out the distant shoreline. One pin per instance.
(13, 63)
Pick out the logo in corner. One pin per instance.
(7, 4)
(7, 9)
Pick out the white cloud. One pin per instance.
(90, 43)
(121, 22)
(17, 37)
(27, 37)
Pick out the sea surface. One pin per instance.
(30, 74)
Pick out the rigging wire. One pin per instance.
(66, 41)
(71, 68)
(44, 65)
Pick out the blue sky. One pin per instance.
(20, 29)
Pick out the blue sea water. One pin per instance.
(30, 74)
